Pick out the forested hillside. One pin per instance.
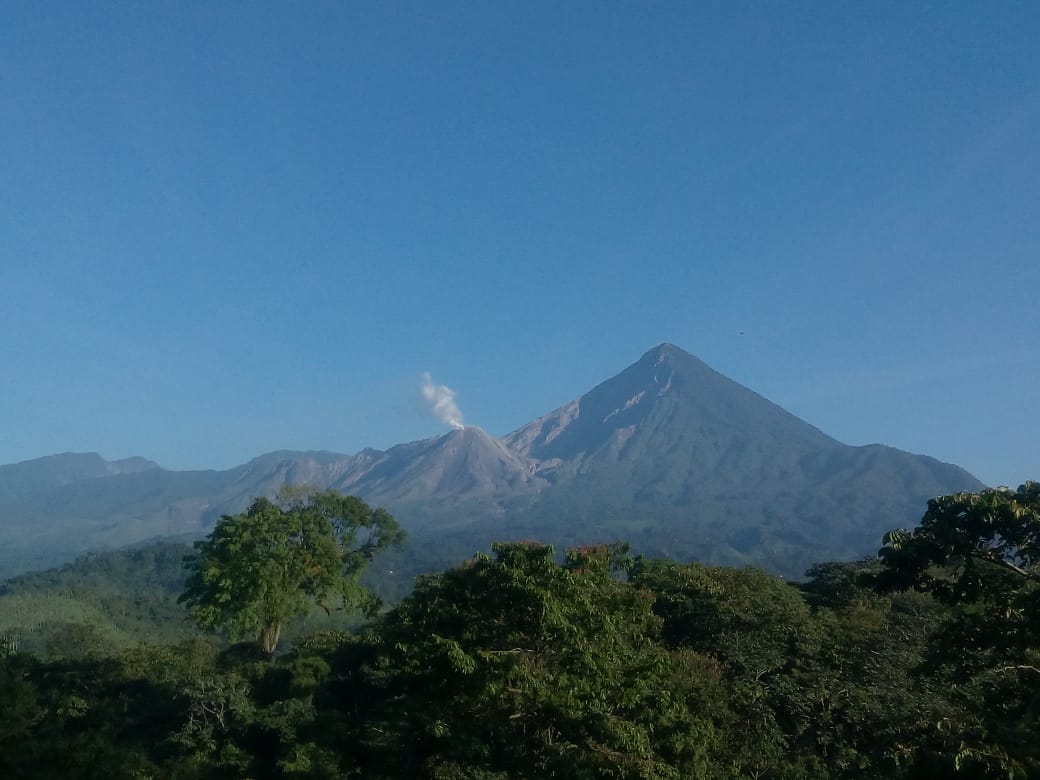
(923, 663)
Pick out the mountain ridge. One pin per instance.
(668, 453)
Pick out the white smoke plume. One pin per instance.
(442, 402)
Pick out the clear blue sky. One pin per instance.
(227, 228)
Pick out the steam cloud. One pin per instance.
(442, 402)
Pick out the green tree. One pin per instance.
(969, 536)
(754, 625)
(262, 568)
(980, 553)
(519, 667)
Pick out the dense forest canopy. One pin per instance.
(922, 663)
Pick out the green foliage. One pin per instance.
(47, 625)
(980, 553)
(752, 620)
(124, 596)
(258, 570)
(519, 666)
(970, 536)
(526, 665)
(130, 596)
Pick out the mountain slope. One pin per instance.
(668, 454)
(666, 393)
(463, 463)
(664, 428)
(20, 480)
(685, 462)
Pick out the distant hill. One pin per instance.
(119, 597)
(21, 480)
(669, 454)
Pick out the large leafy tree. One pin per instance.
(517, 666)
(980, 552)
(262, 568)
(753, 624)
(965, 539)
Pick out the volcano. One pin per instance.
(669, 455)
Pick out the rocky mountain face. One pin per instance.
(667, 393)
(669, 455)
(464, 463)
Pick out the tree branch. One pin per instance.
(1007, 565)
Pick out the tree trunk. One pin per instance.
(269, 637)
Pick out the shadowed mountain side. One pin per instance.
(783, 520)
(20, 480)
(106, 509)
